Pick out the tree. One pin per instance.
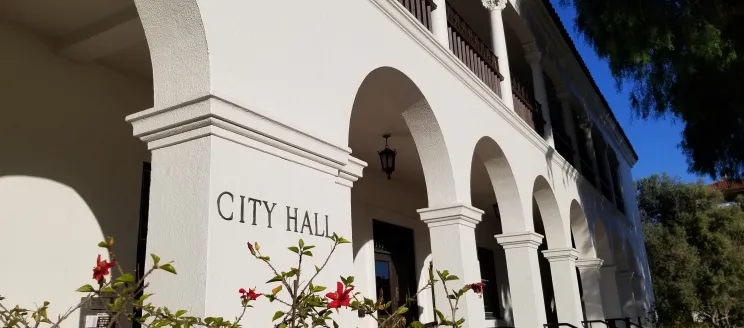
(695, 248)
(685, 59)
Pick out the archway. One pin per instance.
(65, 139)
(494, 190)
(392, 249)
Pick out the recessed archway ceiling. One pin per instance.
(86, 31)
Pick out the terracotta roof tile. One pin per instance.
(727, 184)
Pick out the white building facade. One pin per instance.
(188, 128)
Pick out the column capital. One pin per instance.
(452, 214)
(532, 53)
(498, 5)
(561, 254)
(529, 239)
(589, 263)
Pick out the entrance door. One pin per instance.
(395, 266)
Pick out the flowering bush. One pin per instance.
(306, 304)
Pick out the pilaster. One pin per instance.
(590, 285)
(565, 284)
(453, 248)
(496, 7)
(534, 58)
(625, 291)
(524, 276)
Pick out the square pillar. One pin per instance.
(217, 186)
(496, 7)
(590, 284)
(610, 297)
(453, 248)
(522, 264)
(565, 284)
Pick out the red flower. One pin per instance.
(477, 287)
(102, 268)
(249, 295)
(340, 297)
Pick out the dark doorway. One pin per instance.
(395, 265)
(142, 231)
(490, 290)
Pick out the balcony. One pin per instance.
(479, 58)
(563, 145)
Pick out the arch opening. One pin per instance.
(71, 161)
(392, 249)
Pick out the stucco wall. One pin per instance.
(70, 170)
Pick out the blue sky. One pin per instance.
(655, 141)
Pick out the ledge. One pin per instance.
(520, 239)
(449, 215)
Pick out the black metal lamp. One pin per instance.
(387, 157)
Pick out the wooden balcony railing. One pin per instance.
(527, 107)
(421, 9)
(467, 46)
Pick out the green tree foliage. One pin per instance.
(695, 248)
(685, 58)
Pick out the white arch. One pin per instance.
(580, 230)
(399, 89)
(504, 184)
(555, 233)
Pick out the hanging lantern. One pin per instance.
(387, 158)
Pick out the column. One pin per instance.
(524, 277)
(534, 58)
(439, 23)
(610, 297)
(453, 248)
(568, 121)
(565, 284)
(496, 7)
(590, 284)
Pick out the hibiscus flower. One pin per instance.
(477, 287)
(102, 268)
(249, 295)
(340, 297)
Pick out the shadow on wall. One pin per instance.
(70, 169)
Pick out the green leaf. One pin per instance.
(155, 259)
(108, 289)
(459, 322)
(294, 249)
(318, 289)
(144, 297)
(309, 247)
(350, 279)
(308, 253)
(343, 240)
(275, 279)
(317, 269)
(335, 324)
(452, 277)
(168, 267)
(264, 258)
(103, 244)
(127, 277)
(283, 325)
(180, 313)
(85, 289)
(277, 315)
(416, 324)
(441, 316)
(302, 243)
